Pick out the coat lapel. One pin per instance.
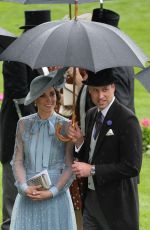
(104, 129)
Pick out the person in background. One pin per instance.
(17, 78)
(110, 157)
(37, 148)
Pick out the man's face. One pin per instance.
(102, 95)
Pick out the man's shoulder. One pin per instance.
(92, 110)
(122, 108)
(122, 113)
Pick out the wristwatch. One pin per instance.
(92, 172)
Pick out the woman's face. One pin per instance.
(47, 102)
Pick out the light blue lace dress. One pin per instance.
(38, 148)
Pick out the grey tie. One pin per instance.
(98, 124)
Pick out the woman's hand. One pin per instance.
(34, 193)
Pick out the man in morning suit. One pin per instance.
(110, 157)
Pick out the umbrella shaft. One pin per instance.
(74, 94)
(76, 9)
(101, 4)
(70, 12)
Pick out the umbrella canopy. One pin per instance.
(144, 78)
(6, 38)
(90, 45)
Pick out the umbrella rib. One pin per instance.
(52, 30)
(89, 45)
(67, 45)
(36, 37)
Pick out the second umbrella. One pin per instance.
(144, 78)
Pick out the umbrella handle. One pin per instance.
(58, 129)
(58, 126)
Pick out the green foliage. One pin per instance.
(142, 101)
(146, 138)
(144, 193)
(145, 125)
(0, 192)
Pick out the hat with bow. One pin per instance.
(41, 83)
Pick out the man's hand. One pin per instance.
(75, 134)
(81, 169)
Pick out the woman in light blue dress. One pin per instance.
(37, 148)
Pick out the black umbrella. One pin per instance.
(144, 77)
(78, 43)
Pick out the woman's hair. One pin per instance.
(58, 96)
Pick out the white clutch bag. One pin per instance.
(42, 179)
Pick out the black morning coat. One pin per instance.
(118, 160)
(17, 78)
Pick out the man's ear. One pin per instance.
(89, 89)
(114, 87)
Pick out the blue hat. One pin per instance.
(41, 83)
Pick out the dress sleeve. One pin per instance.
(18, 160)
(66, 177)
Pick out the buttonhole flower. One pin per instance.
(109, 122)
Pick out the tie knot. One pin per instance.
(99, 117)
